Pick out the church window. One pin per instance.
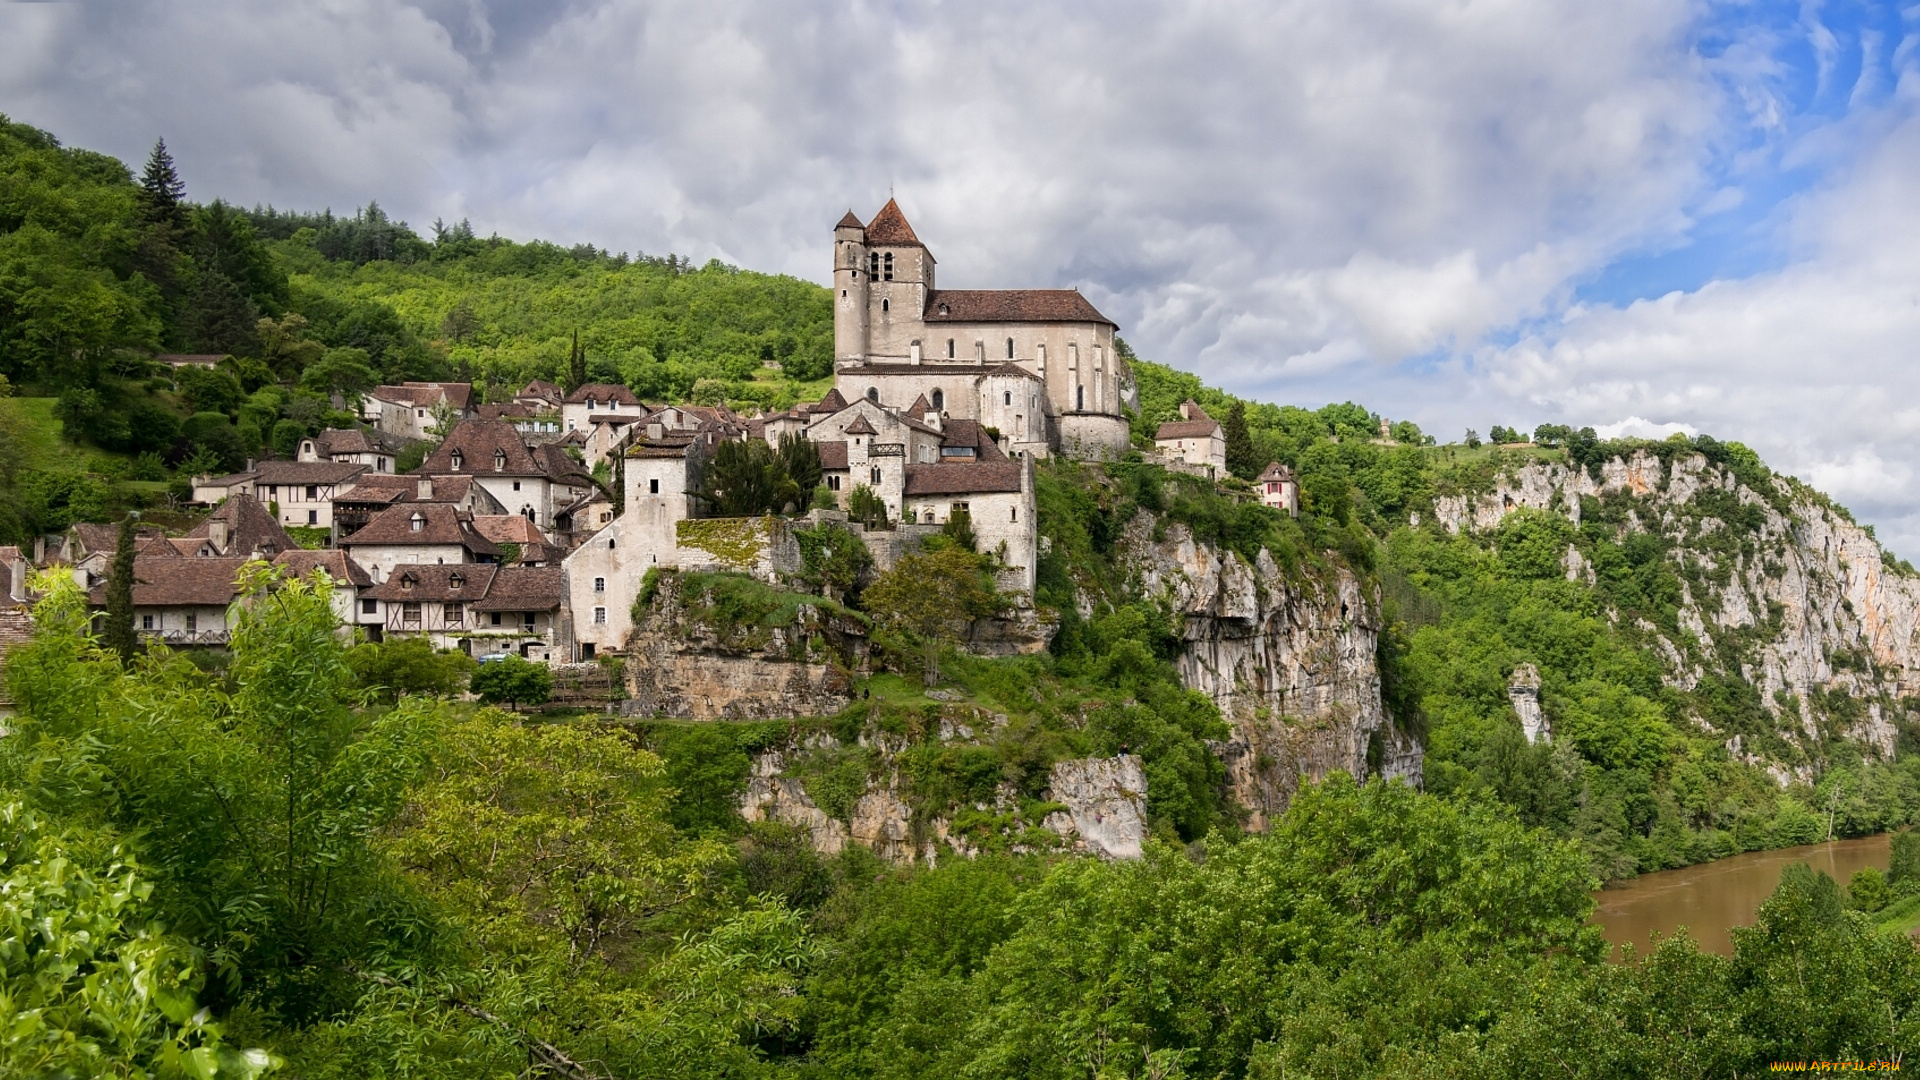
(1079, 398)
(885, 304)
(873, 264)
(949, 348)
(1016, 514)
(876, 474)
(1009, 348)
(873, 394)
(939, 396)
(833, 483)
(1007, 398)
(886, 266)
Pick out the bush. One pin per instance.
(514, 681)
(408, 666)
(286, 437)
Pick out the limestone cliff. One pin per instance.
(1290, 660)
(1779, 587)
(704, 661)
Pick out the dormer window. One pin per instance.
(591, 402)
(944, 310)
(419, 521)
(499, 460)
(406, 582)
(456, 580)
(459, 460)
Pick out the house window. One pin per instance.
(949, 348)
(876, 475)
(313, 492)
(653, 486)
(516, 485)
(313, 517)
(599, 584)
(1016, 514)
(599, 616)
(420, 414)
(458, 460)
(410, 612)
(193, 622)
(369, 607)
(939, 398)
(528, 624)
(833, 483)
(273, 491)
(146, 622)
(495, 620)
(450, 614)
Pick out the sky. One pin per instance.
(1645, 216)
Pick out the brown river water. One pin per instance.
(1709, 898)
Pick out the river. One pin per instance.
(1709, 898)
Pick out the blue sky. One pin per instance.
(1644, 215)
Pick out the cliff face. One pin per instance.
(1289, 660)
(684, 662)
(1779, 588)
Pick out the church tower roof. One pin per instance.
(890, 228)
(849, 222)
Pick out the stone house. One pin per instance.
(477, 608)
(1195, 438)
(535, 481)
(349, 581)
(419, 533)
(1037, 365)
(178, 599)
(591, 403)
(302, 491)
(411, 410)
(1279, 489)
(373, 493)
(353, 446)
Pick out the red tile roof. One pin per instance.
(523, 588)
(602, 392)
(435, 581)
(440, 523)
(168, 582)
(1275, 473)
(833, 455)
(849, 222)
(861, 426)
(1011, 305)
(339, 566)
(477, 441)
(1187, 429)
(889, 228)
(297, 473)
(249, 528)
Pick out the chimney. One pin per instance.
(217, 533)
(249, 464)
(1186, 410)
(656, 431)
(423, 490)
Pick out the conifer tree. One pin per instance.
(161, 192)
(1241, 459)
(576, 364)
(119, 634)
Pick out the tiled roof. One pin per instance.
(889, 228)
(602, 392)
(441, 524)
(971, 433)
(920, 407)
(507, 529)
(616, 419)
(1187, 429)
(167, 582)
(295, 473)
(1275, 473)
(424, 395)
(961, 478)
(832, 403)
(476, 441)
(249, 528)
(849, 222)
(356, 441)
(228, 480)
(861, 426)
(338, 565)
(1011, 305)
(94, 537)
(435, 581)
(512, 409)
(523, 588)
(542, 389)
(833, 455)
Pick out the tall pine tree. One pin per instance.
(1242, 461)
(119, 632)
(162, 195)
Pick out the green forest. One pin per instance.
(309, 859)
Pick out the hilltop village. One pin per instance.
(530, 524)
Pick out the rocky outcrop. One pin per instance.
(772, 797)
(1523, 690)
(1805, 599)
(1290, 660)
(1106, 804)
(680, 664)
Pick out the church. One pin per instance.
(1037, 366)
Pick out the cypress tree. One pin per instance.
(1241, 459)
(577, 364)
(119, 634)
